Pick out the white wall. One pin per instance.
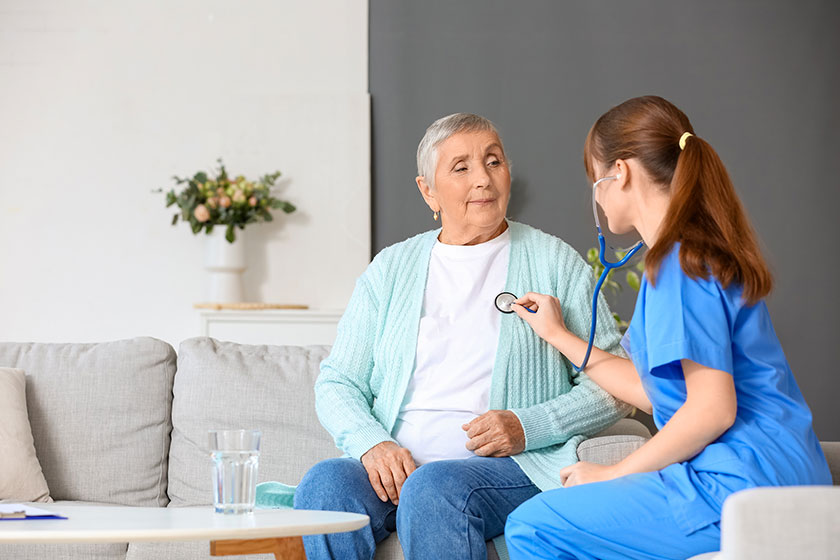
(103, 101)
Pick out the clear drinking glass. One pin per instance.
(236, 458)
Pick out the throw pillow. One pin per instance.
(21, 479)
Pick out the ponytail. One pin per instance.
(704, 214)
(706, 217)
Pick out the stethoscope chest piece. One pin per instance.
(503, 302)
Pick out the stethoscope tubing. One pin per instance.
(608, 266)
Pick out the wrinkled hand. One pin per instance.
(584, 473)
(388, 465)
(548, 321)
(496, 433)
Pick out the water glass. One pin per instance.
(236, 457)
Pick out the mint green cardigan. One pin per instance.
(363, 381)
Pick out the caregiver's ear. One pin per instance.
(622, 172)
(427, 193)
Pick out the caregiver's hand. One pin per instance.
(547, 322)
(388, 465)
(584, 473)
(496, 433)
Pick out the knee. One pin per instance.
(428, 491)
(528, 523)
(325, 484)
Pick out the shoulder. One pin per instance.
(532, 240)
(694, 296)
(400, 255)
(670, 277)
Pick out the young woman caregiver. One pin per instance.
(706, 361)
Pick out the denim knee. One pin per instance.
(429, 490)
(328, 484)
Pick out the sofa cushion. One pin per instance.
(100, 416)
(86, 551)
(223, 385)
(21, 478)
(609, 450)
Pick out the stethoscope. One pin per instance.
(504, 300)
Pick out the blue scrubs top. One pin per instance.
(771, 442)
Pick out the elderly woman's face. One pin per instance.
(472, 182)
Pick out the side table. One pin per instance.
(265, 531)
(248, 325)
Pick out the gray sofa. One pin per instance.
(126, 423)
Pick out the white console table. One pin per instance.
(296, 327)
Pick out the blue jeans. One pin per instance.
(448, 509)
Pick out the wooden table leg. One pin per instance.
(286, 548)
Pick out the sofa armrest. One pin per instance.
(832, 455)
(613, 444)
(781, 523)
(625, 427)
(608, 450)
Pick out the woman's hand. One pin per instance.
(547, 322)
(584, 473)
(388, 465)
(496, 433)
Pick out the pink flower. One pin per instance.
(212, 202)
(201, 213)
(238, 196)
(252, 201)
(225, 202)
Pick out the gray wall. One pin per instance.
(759, 80)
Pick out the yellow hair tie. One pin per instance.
(683, 138)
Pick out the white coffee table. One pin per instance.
(276, 531)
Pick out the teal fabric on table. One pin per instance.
(275, 495)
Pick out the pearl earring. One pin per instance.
(435, 216)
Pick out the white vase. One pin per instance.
(225, 263)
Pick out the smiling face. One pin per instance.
(472, 187)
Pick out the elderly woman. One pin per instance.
(451, 414)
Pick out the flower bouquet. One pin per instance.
(221, 200)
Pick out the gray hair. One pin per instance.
(441, 130)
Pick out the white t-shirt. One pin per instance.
(456, 349)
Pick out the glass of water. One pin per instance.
(236, 458)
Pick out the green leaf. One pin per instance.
(200, 177)
(633, 280)
(267, 216)
(592, 255)
(288, 207)
(209, 229)
(230, 235)
(174, 219)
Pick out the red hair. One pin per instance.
(704, 214)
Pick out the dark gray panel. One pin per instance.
(759, 80)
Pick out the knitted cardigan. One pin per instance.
(363, 381)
